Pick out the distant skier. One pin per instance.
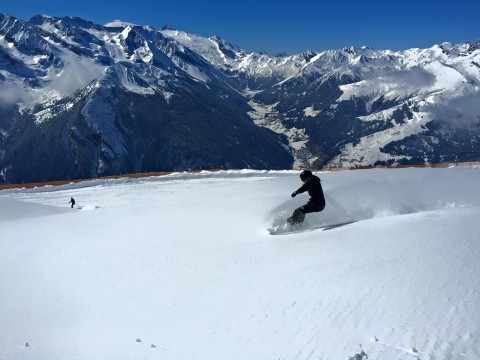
(72, 201)
(311, 183)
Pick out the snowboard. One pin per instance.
(299, 228)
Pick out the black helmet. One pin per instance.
(305, 174)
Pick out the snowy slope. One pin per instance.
(412, 106)
(436, 78)
(182, 267)
(439, 85)
(117, 99)
(261, 67)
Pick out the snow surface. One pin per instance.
(310, 111)
(182, 267)
(119, 23)
(369, 149)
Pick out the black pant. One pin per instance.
(298, 215)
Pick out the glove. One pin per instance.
(294, 194)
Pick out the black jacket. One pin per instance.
(314, 188)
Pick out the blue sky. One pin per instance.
(281, 25)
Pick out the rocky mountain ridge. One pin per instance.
(78, 99)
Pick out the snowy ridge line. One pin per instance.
(145, 177)
(234, 172)
(69, 182)
(421, 166)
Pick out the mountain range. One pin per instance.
(81, 100)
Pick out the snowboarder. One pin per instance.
(72, 201)
(316, 203)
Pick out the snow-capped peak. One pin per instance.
(167, 27)
(119, 23)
